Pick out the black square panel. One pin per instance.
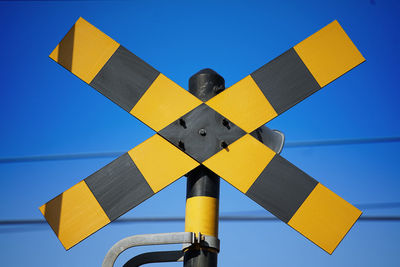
(202, 132)
(281, 188)
(285, 81)
(124, 78)
(119, 186)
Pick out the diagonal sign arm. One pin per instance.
(122, 77)
(284, 190)
(288, 79)
(260, 173)
(115, 189)
(145, 93)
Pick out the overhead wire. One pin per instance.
(340, 142)
(231, 218)
(21, 226)
(224, 218)
(182, 219)
(114, 154)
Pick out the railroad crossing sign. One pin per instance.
(218, 133)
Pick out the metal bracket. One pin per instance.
(157, 256)
(273, 139)
(186, 238)
(204, 241)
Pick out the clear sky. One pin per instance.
(46, 110)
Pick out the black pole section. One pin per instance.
(202, 197)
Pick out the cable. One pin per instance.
(55, 1)
(61, 157)
(338, 142)
(383, 205)
(226, 217)
(178, 219)
(19, 226)
(297, 144)
(365, 206)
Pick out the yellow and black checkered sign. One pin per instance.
(244, 162)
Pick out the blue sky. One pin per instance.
(46, 110)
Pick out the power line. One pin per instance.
(235, 217)
(114, 154)
(56, 1)
(182, 219)
(28, 225)
(382, 205)
(55, 157)
(339, 142)
(21, 226)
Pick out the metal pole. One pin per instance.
(202, 198)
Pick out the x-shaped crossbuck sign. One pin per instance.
(218, 133)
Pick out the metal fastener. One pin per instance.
(202, 132)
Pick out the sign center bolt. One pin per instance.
(202, 132)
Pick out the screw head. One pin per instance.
(182, 123)
(223, 144)
(225, 122)
(181, 145)
(202, 132)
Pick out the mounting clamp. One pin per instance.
(186, 238)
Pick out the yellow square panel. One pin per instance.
(74, 215)
(329, 53)
(241, 163)
(163, 103)
(244, 104)
(202, 215)
(84, 50)
(324, 218)
(160, 162)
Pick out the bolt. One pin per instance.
(224, 144)
(182, 123)
(181, 145)
(225, 122)
(202, 132)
